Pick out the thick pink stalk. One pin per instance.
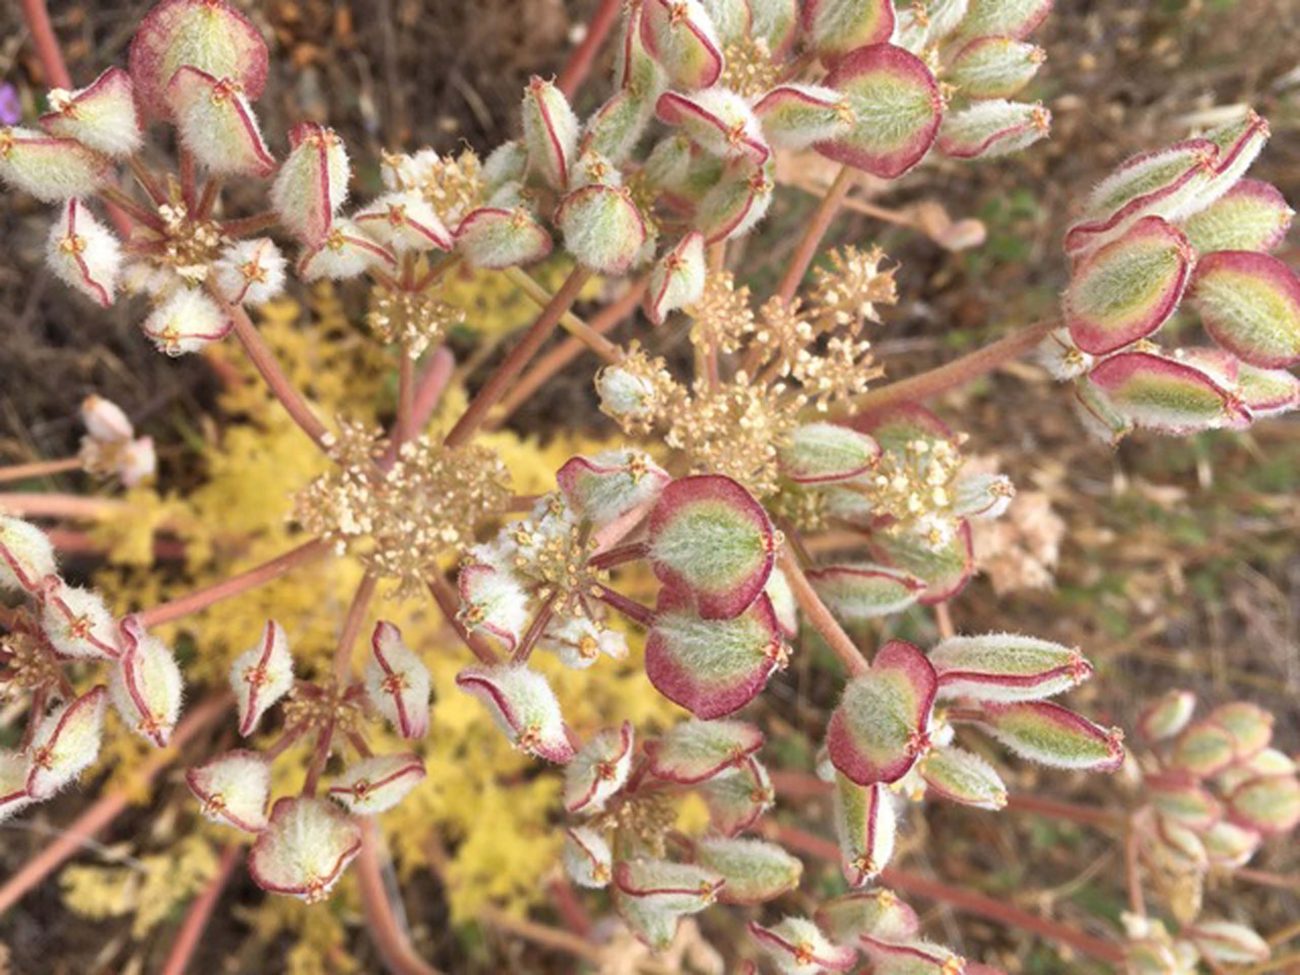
(200, 912)
(254, 577)
(37, 18)
(518, 358)
(604, 321)
(38, 505)
(959, 372)
(448, 601)
(352, 627)
(819, 615)
(382, 925)
(263, 359)
(584, 55)
(40, 468)
(109, 806)
(405, 399)
(47, 45)
(814, 231)
(969, 901)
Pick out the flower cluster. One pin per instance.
(305, 842)
(1181, 226)
(402, 509)
(900, 476)
(59, 638)
(800, 356)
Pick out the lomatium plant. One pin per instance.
(766, 491)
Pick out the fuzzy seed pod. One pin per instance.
(233, 789)
(210, 35)
(66, 743)
(397, 682)
(51, 169)
(304, 849)
(312, 183)
(217, 124)
(523, 706)
(84, 253)
(186, 321)
(26, 556)
(261, 676)
(146, 684)
(250, 272)
(101, 116)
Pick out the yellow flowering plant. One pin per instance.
(394, 622)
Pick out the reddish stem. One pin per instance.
(959, 372)
(352, 627)
(109, 806)
(813, 233)
(435, 272)
(73, 541)
(429, 388)
(819, 615)
(969, 901)
(390, 940)
(534, 632)
(1073, 812)
(584, 55)
(449, 602)
(40, 468)
(603, 322)
(46, 44)
(320, 755)
(519, 357)
(246, 226)
(570, 906)
(628, 607)
(39, 505)
(264, 361)
(257, 576)
(619, 556)
(200, 911)
(405, 425)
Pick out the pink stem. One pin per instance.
(46, 43)
(628, 607)
(813, 233)
(603, 322)
(263, 360)
(405, 425)
(584, 55)
(200, 911)
(390, 940)
(352, 627)
(37, 505)
(964, 900)
(959, 372)
(519, 357)
(40, 468)
(819, 615)
(257, 576)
